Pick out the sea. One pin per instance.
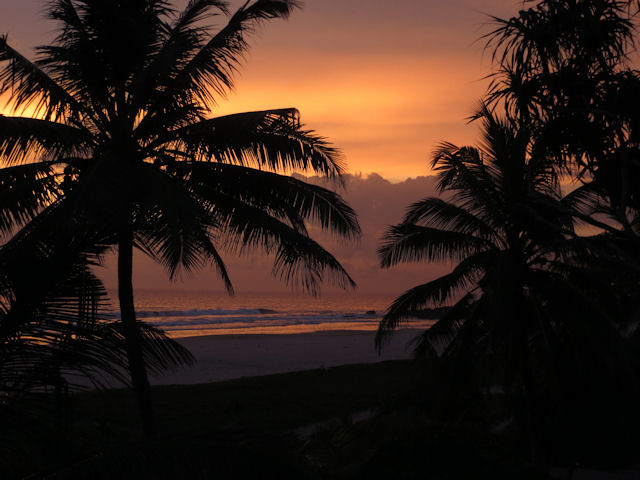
(196, 313)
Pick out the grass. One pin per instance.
(267, 403)
(249, 428)
(205, 430)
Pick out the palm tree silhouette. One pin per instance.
(121, 103)
(53, 327)
(507, 228)
(565, 67)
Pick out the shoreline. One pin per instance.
(226, 357)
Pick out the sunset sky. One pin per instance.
(384, 81)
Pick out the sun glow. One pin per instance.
(388, 123)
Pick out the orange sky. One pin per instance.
(384, 82)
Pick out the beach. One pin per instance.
(225, 357)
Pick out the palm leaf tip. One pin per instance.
(267, 9)
(309, 267)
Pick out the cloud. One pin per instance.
(378, 202)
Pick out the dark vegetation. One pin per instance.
(533, 363)
(247, 425)
(294, 425)
(123, 154)
(542, 224)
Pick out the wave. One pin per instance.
(197, 312)
(193, 317)
(246, 319)
(266, 321)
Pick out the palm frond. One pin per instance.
(549, 33)
(210, 71)
(72, 60)
(299, 260)
(445, 215)
(586, 199)
(285, 197)
(161, 353)
(174, 226)
(414, 243)
(44, 319)
(272, 139)
(181, 38)
(195, 12)
(435, 293)
(24, 191)
(23, 139)
(462, 171)
(28, 86)
(435, 340)
(52, 325)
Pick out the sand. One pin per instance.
(224, 357)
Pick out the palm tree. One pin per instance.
(53, 323)
(514, 293)
(55, 336)
(565, 67)
(122, 102)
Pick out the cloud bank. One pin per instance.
(378, 202)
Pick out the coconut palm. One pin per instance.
(121, 105)
(503, 216)
(517, 305)
(53, 323)
(54, 335)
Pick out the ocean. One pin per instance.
(196, 313)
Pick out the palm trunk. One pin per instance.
(537, 451)
(137, 367)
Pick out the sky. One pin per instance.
(383, 81)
